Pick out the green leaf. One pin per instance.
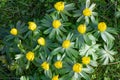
(59, 56)
(87, 20)
(69, 37)
(18, 24)
(67, 13)
(9, 37)
(73, 52)
(64, 17)
(75, 76)
(112, 30)
(79, 41)
(66, 76)
(48, 73)
(77, 13)
(27, 34)
(47, 17)
(87, 3)
(24, 78)
(84, 75)
(117, 14)
(96, 34)
(69, 6)
(89, 69)
(107, 37)
(70, 55)
(47, 31)
(18, 56)
(28, 64)
(55, 51)
(80, 18)
(106, 55)
(93, 19)
(66, 24)
(46, 21)
(63, 29)
(93, 63)
(52, 34)
(59, 38)
(87, 39)
(87, 50)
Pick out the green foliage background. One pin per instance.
(11, 11)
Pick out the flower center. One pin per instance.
(41, 41)
(86, 60)
(102, 26)
(77, 67)
(56, 24)
(87, 12)
(30, 56)
(45, 65)
(59, 6)
(58, 64)
(66, 44)
(81, 28)
(55, 77)
(13, 31)
(32, 26)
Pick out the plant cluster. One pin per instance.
(66, 44)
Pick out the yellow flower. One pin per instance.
(45, 65)
(32, 26)
(77, 67)
(58, 64)
(13, 31)
(66, 44)
(87, 12)
(41, 41)
(86, 60)
(102, 26)
(30, 56)
(59, 6)
(82, 28)
(56, 24)
(55, 77)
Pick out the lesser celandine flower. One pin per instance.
(81, 28)
(58, 64)
(54, 27)
(77, 67)
(45, 65)
(55, 77)
(86, 60)
(66, 44)
(87, 13)
(102, 26)
(56, 24)
(59, 6)
(30, 56)
(32, 26)
(13, 31)
(41, 41)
